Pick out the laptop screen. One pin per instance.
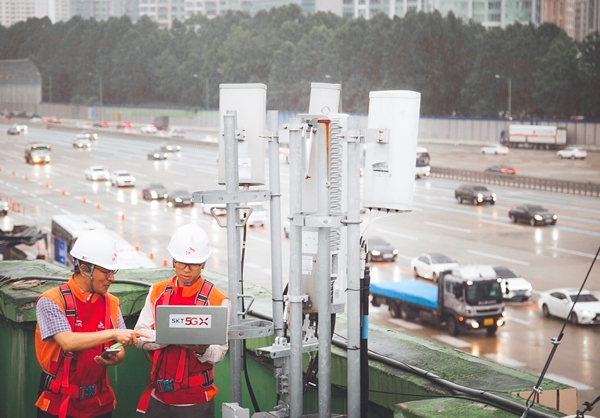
(191, 324)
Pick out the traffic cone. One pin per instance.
(84, 200)
(62, 192)
(25, 177)
(137, 246)
(122, 216)
(98, 205)
(165, 263)
(151, 255)
(47, 185)
(13, 173)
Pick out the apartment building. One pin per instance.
(578, 18)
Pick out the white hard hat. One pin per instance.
(189, 244)
(96, 247)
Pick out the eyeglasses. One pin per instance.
(107, 273)
(192, 267)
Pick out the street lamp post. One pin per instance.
(509, 94)
(196, 76)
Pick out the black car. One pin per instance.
(13, 131)
(180, 198)
(154, 191)
(381, 250)
(474, 193)
(532, 214)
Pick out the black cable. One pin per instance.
(556, 341)
(246, 375)
(482, 395)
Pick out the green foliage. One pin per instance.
(452, 63)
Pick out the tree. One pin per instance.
(556, 80)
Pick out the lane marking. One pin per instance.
(561, 379)
(517, 320)
(453, 228)
(497, 257)
(454, 342)
(572, 252)
(507, 361)
(405, 324)
(388, 232)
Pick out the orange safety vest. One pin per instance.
(177, 376)
(75, 384)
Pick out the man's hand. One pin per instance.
(127, 336)
(110, 359)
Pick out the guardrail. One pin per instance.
(523, 182)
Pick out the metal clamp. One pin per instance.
(250, 328)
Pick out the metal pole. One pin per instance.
(324, 271)
(233, 254)
(295, 284)
(100, 88)
(353, 263)
(276, 253)
(509, 97)
(206, 91)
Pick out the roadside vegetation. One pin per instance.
(452, 63)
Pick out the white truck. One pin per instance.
(534, 136)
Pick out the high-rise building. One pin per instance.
(578, 18)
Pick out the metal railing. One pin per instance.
(523, 182)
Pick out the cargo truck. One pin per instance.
(161, 123)
(534, 136)
(466, 298)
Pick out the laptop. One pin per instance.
(191, 324)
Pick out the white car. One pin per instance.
(20, 127)
(495, 149)
(96, 172)
(430, 265)
(3, 207)
(572, 153)
(122, 178)
(558, 302)
(514, 287)
(149, 129)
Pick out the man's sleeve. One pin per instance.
(216, 353)
(50, 318)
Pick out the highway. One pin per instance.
(548, 257)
